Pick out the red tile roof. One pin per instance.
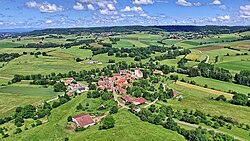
(83, 120)
(140, 100)
(174, 93)
(121, 81)
(127, 98)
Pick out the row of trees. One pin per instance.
(164, 116)
(243, 77)
(5, 57)
(209, 71)
(238, 99)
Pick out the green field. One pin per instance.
(8, 102)
(217, 84)
(9, 45)
(128, 127)
(201, 100)
(28, 90)
(235, 65)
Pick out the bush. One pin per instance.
(108, 122)
(78, 129)
(55, 104)
(18, 130)
(18, 124)
(69, 118)
(113, 110)
(38, 122)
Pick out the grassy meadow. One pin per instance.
(128, 127)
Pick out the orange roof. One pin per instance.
(83, 120)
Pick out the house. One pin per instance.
(69, 94)
(127, 98)
(69, 81)
(136, 101)
(138, 73)
(174, 93)
(139, 101)
(83, 120)
(81, 89)
(157, 72)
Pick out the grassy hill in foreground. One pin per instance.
(128, 127)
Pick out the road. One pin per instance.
(119, 103)
(151, 103)
(209, 129)
(207, 58)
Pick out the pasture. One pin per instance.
(217, 84)
(201, 100)
(128, 127)
(8, 102)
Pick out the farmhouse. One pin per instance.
(136, 101)
(83, 120)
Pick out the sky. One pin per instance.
(96, 13)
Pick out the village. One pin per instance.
(117, 84)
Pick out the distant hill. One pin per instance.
(131, 29)
(18, 30)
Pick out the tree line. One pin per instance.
(5, 57)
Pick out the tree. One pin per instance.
(79, 106)
(38, 122)
(108, 122)
(60, 87)
(113, 110)
(18, 130)
(240, 99)
(221, 98)
(55, 104)
(69, 118)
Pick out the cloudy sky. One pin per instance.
(89, 13)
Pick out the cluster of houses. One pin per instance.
(119, 82)
(187, 36)
(73, 86)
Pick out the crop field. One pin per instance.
(54, 128)
(209, 48)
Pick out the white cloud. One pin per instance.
(224, 18)
(141, 2)
(223, 7)
(48, 21)
(216, 2)
(78, 6)
(136, 9)
(111, 6)
(197, 4)
(107, 12)
(44, 7)
(90, 7)
(183, 3)
(245, 11)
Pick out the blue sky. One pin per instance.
(88, 13)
